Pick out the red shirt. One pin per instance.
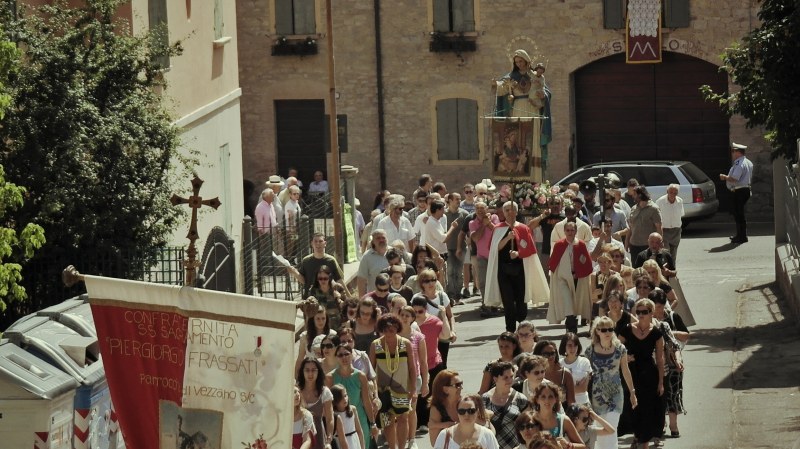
(431, 328)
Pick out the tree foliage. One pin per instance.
(14, 246)
(766, 65)
(90, 137)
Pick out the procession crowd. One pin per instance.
(373, 364)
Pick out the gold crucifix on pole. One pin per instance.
(195, 202)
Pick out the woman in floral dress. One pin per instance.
(609, 358)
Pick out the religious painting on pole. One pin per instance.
(195, 368)
(643, 33)
(513, 153)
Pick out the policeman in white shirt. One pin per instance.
(671, 206)
(738, 181)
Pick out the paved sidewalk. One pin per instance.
(765, 375)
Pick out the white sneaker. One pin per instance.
(412, 444)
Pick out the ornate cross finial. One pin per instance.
(195, 202)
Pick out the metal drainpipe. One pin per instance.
(379, 70)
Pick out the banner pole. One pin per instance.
(334, 167)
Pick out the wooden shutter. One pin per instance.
(304, 20)
(219, 25)
(447, 129)
(614, 14)
(463, 15)
(676, 13)
(157, 14)
(441, 16)
(284, 17)
(467, 129)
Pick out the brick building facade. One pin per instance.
(576, 39)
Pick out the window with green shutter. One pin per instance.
(614, 14)
(676, 13)
(219, 24)
(453, 16)
(457, 129)
(294, 17)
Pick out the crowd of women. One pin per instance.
(377, 372)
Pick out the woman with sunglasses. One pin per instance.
(328, 348)
(509, 348)
(317, 398)
(584, 418)
(364, 329)
(467, 429)
(609, 360)
(357, 386)
(393, 359)
(676, 334)
(653, 270)
(556, 373)
(675, 297)
(547, 411)
(505, 403)
(438, 304)
(619, 264)
(642, 340)
(323, 289)
(446, 393)
(408, 318)
(532, 369)
(528, 429)
(315, 326)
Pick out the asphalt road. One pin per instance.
(741, 387)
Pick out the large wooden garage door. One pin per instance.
(651, 111)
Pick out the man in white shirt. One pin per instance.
(397, 226)
(584, 230)
(671, 206)
(433, 228)
(420, 221)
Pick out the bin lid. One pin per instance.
(60, 346)
(25, 376)
(75, 313)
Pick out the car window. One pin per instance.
(624, 173)
(693, 174)
(658, 176)
(580, 176)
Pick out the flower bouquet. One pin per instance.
(535, 197)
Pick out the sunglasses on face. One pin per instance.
(458, 385)
(467, 411)
(548, 354)
(382, 290)
(529, 426)
(327, 346)
(606, 330)
(428, 281)
(642, 312)
(586, 419)
(343, 355)
(323, 278)
(469, 192)
(420, 311)
(538, 372)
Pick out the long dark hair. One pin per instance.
(311, 329)
(338, 392)
(301, 379)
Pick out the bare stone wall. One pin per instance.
(565, 34)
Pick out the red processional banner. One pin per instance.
(195, 368)
(643, 32)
